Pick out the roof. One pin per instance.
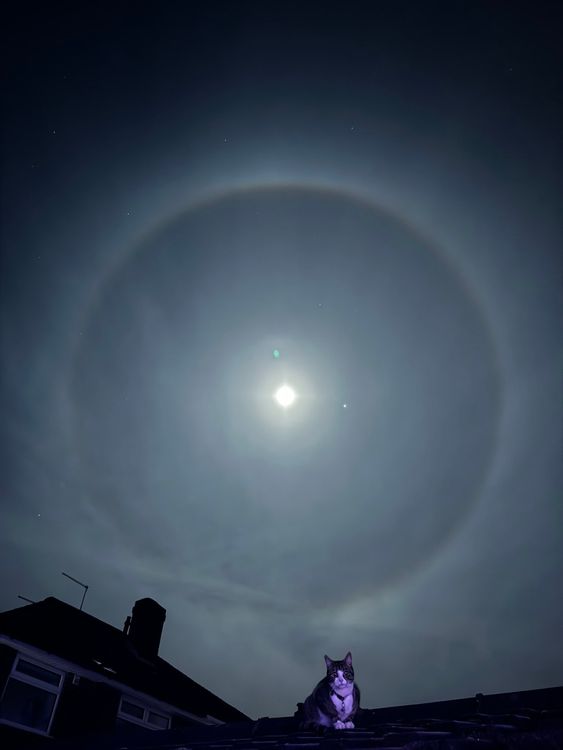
(80, 638)
(505, 721)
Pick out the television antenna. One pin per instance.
(84, 586)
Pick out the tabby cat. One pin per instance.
(336, 699)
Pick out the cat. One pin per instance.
(335, 701)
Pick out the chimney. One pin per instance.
(145, 629)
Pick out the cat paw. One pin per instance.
(339, 724)
(349, 725)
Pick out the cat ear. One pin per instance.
(328, 661)
(348, 659)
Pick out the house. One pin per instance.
(65, 673)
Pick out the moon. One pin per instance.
(285, 396)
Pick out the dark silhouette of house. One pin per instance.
(64, 673)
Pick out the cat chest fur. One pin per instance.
(343, 707)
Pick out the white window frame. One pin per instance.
(34, 682)
(146, 709)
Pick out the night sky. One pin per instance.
(203, 202)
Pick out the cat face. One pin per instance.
(340, 673)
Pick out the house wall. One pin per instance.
(179, 722)
(85, 708)
(87, 703)
(82, 708)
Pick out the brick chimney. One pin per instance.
(145, 630)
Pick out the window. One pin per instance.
(158, 720)
(30, 695)
(130, 710)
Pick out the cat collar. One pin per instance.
(342, 698)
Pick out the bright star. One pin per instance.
(285, 396)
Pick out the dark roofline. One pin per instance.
(40, 625)
(540, 698)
